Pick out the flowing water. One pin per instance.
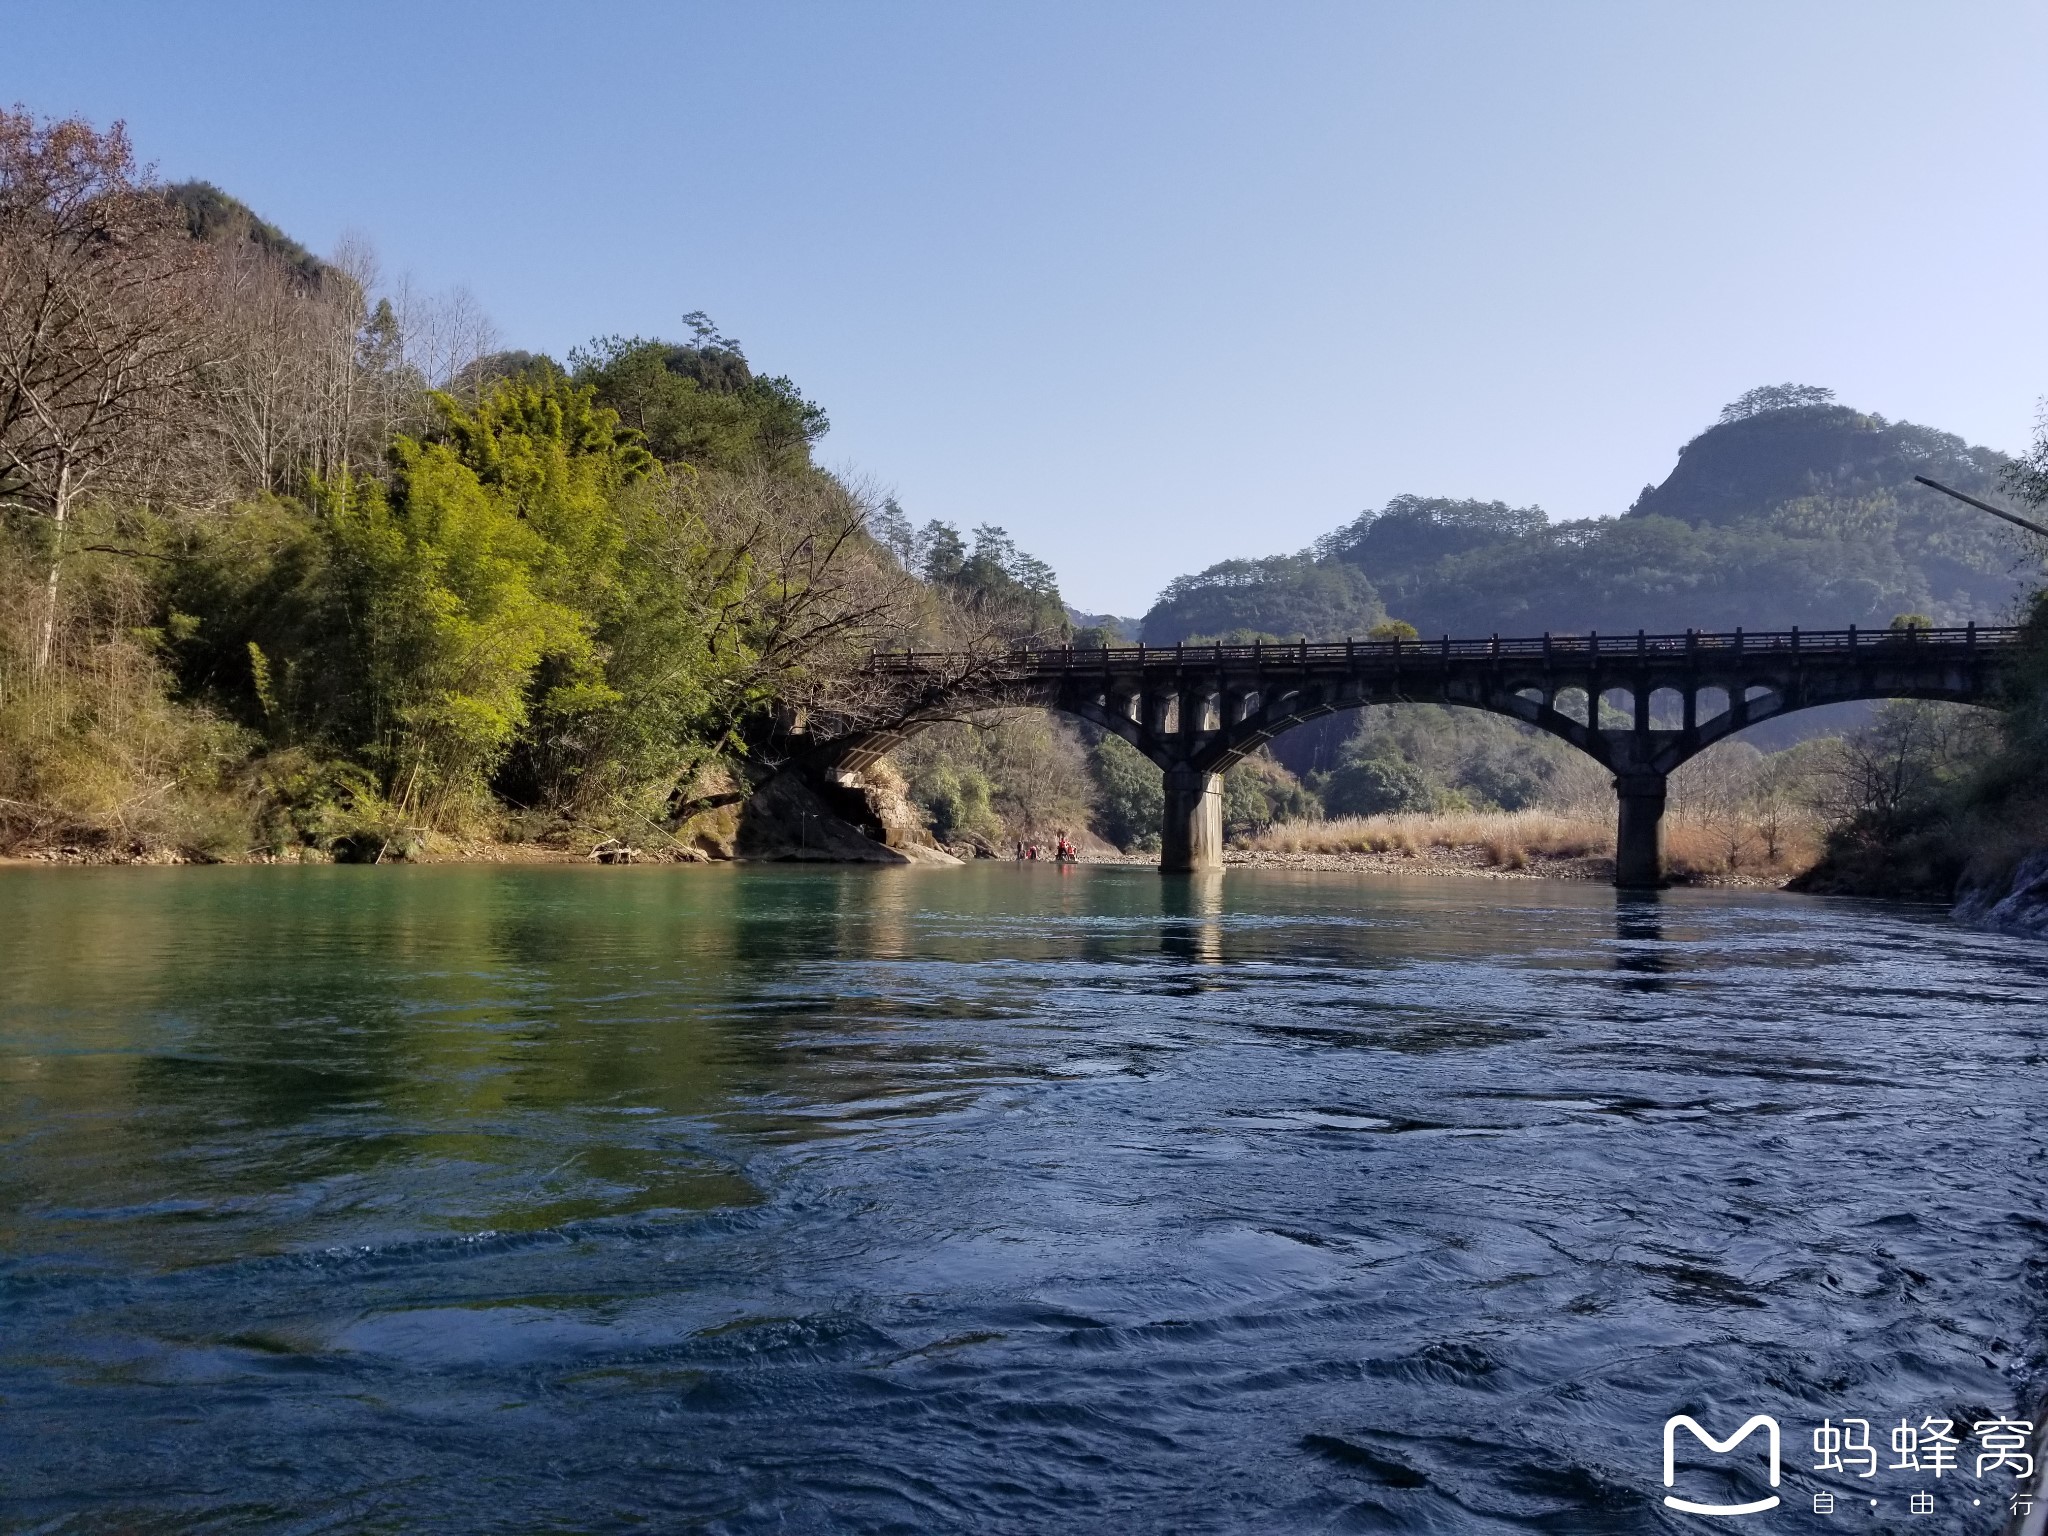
(996, 1199)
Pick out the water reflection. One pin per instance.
(1640, 952)
(1192, 905)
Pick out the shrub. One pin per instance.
(1378, 787)
(1259, 791)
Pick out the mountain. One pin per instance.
(1783, 456)
(1791, 509)
(215, 217)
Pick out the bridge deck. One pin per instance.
(1693, 645)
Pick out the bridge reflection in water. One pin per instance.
(1639, 704)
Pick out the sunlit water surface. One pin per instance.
(992, 1199)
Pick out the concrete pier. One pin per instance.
(1191, 830)
(1639, 831)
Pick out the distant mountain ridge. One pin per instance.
(1781, 513)
(1113, 628)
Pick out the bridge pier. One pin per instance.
(1191, 834)
(1639, 831)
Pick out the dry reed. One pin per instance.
(1507, 836)
(1696, 847)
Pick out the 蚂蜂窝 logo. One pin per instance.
(1720, 1448)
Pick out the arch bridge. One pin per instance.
(1639, 705)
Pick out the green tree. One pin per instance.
(702, 405)
(1463, 755)
(955, 800)
(1132, 792)
(1775, 397)
(457, 617)
(1258, 791)
(452, 625)
(631, 556)
(992, 579)
(1402, 542)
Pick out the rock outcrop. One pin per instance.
(843, 821)
(2018, 904)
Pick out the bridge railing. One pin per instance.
(1831, 644)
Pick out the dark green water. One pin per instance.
(995, 1199)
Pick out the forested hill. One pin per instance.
(1791, 509)
(294, 564)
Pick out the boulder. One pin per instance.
(2017, 905)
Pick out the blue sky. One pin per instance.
(1153, 285)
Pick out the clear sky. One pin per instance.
(1153, 285)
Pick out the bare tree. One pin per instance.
(806, 594)
(1774, 795)
(1715, 792)
(358, 396)
(101, 327)
(318, 372)
(265, 388)
(442, 335)
(1894, 771)
(806, 597)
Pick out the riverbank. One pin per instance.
(1475, 863)
(1469, 862)
(789, 823)
(459, 853)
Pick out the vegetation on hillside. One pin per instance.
(290, 561)
(1286, 597)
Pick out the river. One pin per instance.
(999, 1199)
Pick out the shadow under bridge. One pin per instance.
(1639, 705)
